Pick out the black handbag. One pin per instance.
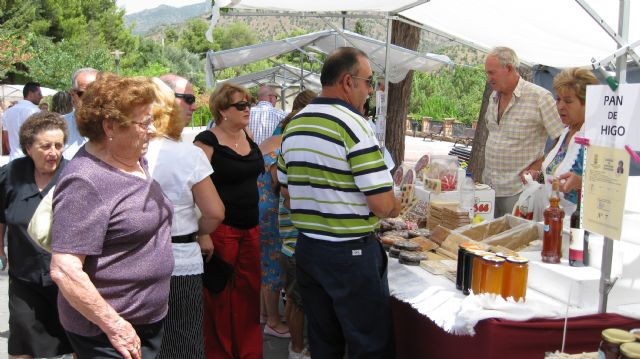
(216, 274)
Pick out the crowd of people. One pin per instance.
(163, 248)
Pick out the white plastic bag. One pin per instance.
(40, 225)
(532, 201)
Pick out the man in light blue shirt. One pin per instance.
(79, 83)
(264, 116)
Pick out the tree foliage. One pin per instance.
(450, 93)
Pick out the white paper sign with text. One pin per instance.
(612, 118)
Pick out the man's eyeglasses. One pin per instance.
(188, 98)
(240, 106)
(371, 82)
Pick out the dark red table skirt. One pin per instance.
(417, 337)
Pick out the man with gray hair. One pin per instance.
(520, 117)
(264, 117)
(80, 80)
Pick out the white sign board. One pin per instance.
(612, 118)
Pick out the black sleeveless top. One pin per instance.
(236, 180)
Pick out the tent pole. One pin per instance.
(606, 284)
(382, 120)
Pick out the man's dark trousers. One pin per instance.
(345, 296)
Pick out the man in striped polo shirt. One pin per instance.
(334, 174)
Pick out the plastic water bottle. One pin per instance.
(468, 195)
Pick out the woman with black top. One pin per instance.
(34, 328)
(231, 317)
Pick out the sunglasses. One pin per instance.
(240, 106)
(79, 93)
(188, 98)
(371, 82)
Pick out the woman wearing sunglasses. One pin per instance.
(231, 317)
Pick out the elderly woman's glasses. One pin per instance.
(188, 98)
(241, 106)
(146, 123)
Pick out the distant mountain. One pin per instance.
(147, 20)
(152, 23)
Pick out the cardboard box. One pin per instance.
(485, 198)
(577, 286)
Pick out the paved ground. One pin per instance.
(274, 348)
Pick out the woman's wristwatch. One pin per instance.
(540, 178)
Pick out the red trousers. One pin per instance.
(232, 317)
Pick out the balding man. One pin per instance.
(80, 80)
(264, 117)
(185, 97)
(520, 117)
(332, 169)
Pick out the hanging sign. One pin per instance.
(612, 118)
(605, 188)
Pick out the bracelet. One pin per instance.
(540, 178)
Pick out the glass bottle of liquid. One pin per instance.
(578, 242)
(553, 217)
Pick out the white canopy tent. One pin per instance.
(290, 80)
(557, 33)
(401, 60)
(283, 76)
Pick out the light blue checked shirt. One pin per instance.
(263, 120)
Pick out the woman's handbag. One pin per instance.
(216, 274)
(40, 225)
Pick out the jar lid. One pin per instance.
(480, 252)
(492, 258)
(617, 336)
(630, 350)
(516, 259)
(469, 245)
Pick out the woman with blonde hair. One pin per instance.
(565, 158)
(232, 317)
(183, 171)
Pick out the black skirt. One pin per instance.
(34, 325)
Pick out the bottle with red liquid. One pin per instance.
(578, 240)
(553, 217)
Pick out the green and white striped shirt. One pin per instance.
(330, 161)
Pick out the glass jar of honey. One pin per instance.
(462, 249)
(630, 351)
(491, 281)
(611, 340)
(478, 270)
(514, 281)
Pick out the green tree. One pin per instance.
(359, 28)
(13, 50)
(56, 62)
(451, 92)
(235, 35)
(192, 37)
